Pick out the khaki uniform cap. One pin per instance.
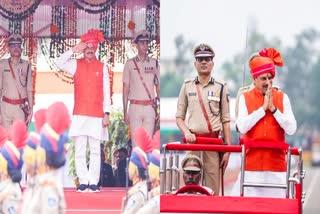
(15, 39)
(142, 35)
(192, 163)
(203, 50)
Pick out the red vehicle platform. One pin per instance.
(204, 203)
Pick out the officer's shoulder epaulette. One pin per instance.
(188, 80)
(131, 59)
(153, 60)
(221, 82)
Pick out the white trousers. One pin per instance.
(261, 177)
(87, 174)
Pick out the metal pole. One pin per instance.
(202, 170)
(288, 171)
(169, 170)
(163, 173)
(243, 162)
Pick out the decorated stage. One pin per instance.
(107, 201)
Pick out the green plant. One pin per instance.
(118, 132)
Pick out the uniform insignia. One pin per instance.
(215, 98)
(22, 72)
(131, 203)
(148, 70)
(210, 95)
(192, 94)
(52, 202)
(11, 210)
(202, 47)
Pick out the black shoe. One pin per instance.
(82, 188)
(94, 188)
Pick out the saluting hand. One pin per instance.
(78, 48)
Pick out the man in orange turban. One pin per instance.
(265, 114)
(91, 107)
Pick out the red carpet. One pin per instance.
(107, 201)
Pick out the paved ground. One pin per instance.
(312, 188)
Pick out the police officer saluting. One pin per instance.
(16, 85)
(207, 101)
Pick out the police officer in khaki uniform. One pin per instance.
(192, 166)
(141, 87)
(207, 102)
(16, 85)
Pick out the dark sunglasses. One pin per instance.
(207, 59)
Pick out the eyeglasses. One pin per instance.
(207, 59)
(265, 78)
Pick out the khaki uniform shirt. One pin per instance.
(10, 196)
(149, 70)
(137, 197)
(24, 80)
(153, 204)
(151, 207)
(212, 98)
(48, 195)
(28, 194)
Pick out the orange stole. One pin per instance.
(88, 88)
(267, 128)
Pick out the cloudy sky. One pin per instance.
(223, 24)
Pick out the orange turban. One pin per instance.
(93, 36)
(265, 62)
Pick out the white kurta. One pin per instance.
(87, 125)
(244, 123)
(286, 119)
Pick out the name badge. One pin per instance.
(148, 70)
(6, 70)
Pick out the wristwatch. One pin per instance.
(107, 113)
